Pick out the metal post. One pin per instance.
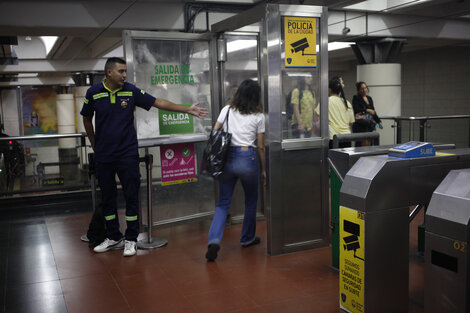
(150, 242)
(399, 125)
(92, 176)
(415, 211)
(422, 127)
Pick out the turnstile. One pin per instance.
(374, 227)
(447, 268)
(341, 161)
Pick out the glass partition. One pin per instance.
(300, 78)
(175, 67)
(175, 70)
(301, 100)
(241, 64)
(37, 164)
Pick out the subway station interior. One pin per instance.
(375, 228)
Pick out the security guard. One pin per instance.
(116, 148)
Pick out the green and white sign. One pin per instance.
(175, 123)
(171, 74)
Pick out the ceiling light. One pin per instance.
(336, 45)
(49, 42)
(237, 45)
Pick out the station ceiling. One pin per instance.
(89, 31)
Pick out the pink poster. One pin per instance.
(178, 164)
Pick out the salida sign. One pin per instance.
(175, 123)
(172, 74)
(300, 40)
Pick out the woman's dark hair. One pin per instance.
(336, 88)
(247, 98)
(302, 85)
(358, 86)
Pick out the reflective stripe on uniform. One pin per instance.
(110, 217)
(124, 94)
(131, 218)
(86, 100)
(100, 95)
(143, 92)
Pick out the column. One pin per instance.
(67, 146)
(384, 81)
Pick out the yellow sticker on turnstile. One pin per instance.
(351, 260)
(300, 41)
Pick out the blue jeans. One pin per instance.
(242, 163)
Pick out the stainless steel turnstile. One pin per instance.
(344, 158)
(374, 228)
(341, 161)
(447, 269)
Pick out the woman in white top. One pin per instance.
(246, 124)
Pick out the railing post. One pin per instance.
(399, 126)
(150, 242)
(422, 127)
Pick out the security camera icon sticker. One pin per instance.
(300, 45)
(352, 242)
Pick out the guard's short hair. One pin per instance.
(111, 62)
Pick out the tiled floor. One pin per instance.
(46, 268)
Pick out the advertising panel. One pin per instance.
(351, 260)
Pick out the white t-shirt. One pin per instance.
(243, 127)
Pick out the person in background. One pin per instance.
(114, 141)
(303, 102)
(341, 81)
(366, 117)
(246, 124)
(340, 113)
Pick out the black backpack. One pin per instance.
(289, 108)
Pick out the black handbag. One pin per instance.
(366, 123)
(216, 151)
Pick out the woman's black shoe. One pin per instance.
(211, 253)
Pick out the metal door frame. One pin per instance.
(270, 80)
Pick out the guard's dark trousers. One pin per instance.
(127, 170)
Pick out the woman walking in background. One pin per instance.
(246, 124)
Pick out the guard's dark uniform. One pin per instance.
(116, 150)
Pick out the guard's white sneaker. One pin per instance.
(130, 248)
(109, 244)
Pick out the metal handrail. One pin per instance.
(413, 118)
(43, 137)
(422, 123)
(355, 137)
